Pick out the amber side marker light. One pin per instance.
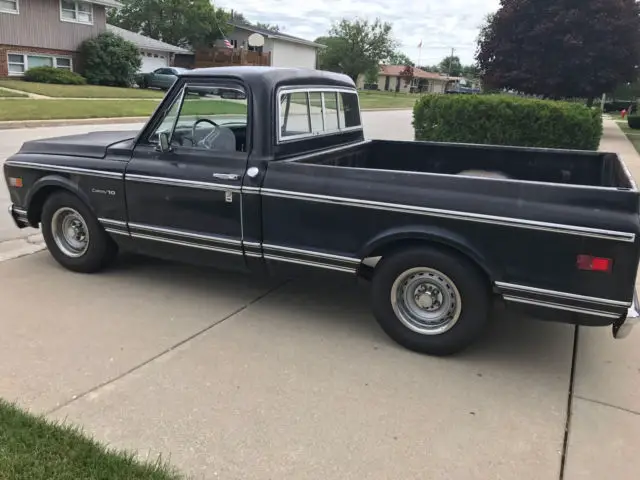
(594, 264)
(15, 182)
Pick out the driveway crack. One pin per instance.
(567, 425)
(137, 367)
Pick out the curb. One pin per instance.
(12, 249)
(68, 122)
(112, 120)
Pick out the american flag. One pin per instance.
(227, 43)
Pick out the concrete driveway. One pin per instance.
(243, 377)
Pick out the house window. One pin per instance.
(75, 11)
(19, 62)
(9, 6)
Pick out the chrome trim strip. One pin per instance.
(250, 189)
(252, 244)
(554, 293)
(186, 244)
(113, 223)
(177, 182)
(181, 233)
(118, 232)
(252, 254)
(311, 253)
(597, 313)
(19, 211)
(329, 151)
(308, 263)
(62, 168)
(455, 215)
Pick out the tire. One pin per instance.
(450, 295)
(65, 212)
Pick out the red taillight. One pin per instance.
(594, 264)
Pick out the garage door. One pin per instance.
(153, 60)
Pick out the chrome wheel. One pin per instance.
(70, 232)
(426, 301)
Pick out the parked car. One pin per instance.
(284, 180)
(161, 78)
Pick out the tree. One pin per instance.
(355, 47)
(110, 60)
(238, 18)
(185, 23)
(271, 27)
(399, 58)
(451, 65)
(470, 71)
(561, 48)
(408, 74)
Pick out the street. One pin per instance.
(245, 377)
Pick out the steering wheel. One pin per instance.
(195, 125)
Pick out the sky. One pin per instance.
(440, 24)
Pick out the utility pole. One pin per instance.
(450, 62)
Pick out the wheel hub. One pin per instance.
(426, 300)
(70, 232)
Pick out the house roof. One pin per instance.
(396, 71)
(145, 43)
(277, 35)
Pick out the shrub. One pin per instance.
(507, 120)
(634, 121)
(53, 75)
(110, 60)
(617, 106)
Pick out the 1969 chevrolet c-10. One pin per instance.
(263, 169)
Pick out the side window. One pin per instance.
(208, 117)
(317, 112)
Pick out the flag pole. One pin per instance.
(419, 54)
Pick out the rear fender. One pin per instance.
(387, 241)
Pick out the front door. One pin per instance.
(185, 202)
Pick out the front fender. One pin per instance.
(428, 234)
(38, 192)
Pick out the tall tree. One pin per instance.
(356, 47)
(399, 58)
(238, 18)
(269, 26)
(561, 48)
(186, 23)
(451, 65)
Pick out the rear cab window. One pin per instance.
(305, 113)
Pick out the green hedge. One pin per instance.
(506, 120)
(634, 121)
(53, 75)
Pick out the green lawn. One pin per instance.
(19, 109)
(6, 93)
(373, 99)
(80, 91)
(32, 448)
(632, 135)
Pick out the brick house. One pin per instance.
(47, 32)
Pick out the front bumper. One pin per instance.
(623, 328)
(19, 216)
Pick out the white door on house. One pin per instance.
(153, 60)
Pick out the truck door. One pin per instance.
(183, 183)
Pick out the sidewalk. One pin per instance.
(604, 429)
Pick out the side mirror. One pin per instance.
(163, 142)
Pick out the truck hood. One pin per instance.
(92, 145)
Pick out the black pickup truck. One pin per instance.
(265, 169)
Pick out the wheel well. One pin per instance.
(366, 271)
(34, 212)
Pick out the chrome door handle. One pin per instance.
(226, 176)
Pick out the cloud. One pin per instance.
(441, 25)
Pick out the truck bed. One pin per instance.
(570, 167)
